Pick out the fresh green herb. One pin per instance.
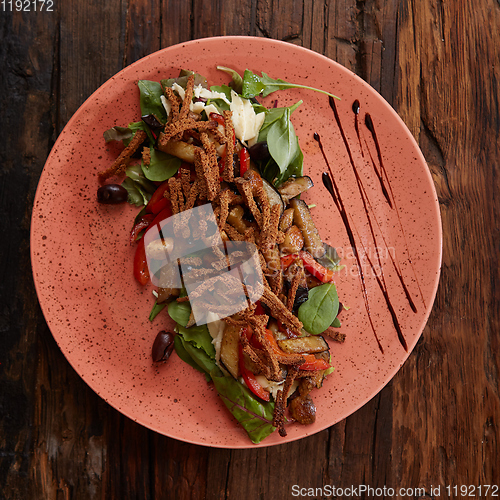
(182, 80)
(179, 312)
(236, 80)
(184, 355)
(255, 416)
(274, 115)
(336, 323)
(162, 166)
(199, 337)
(157, 308)
(138, 187)
(254, 85)
(149, 98)
(320, 309)
(282, 141)
(117, 134)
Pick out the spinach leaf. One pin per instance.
(320, 309)
(254, 416)
(336, 323)
(282, 141)
(272, 116)
(254, 85)
(294, 169)
(150, 93)
(157, 308)
(161, 167)
(179, 312)
(184, 355)
(236, 80)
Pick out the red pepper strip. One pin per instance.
(287, 260)
(250, 379)
(157, 196)
(164, 214)
(311, 363)
(244, 161)
(315, 268)
(157, 207)
(259, 310)
(217, 117)
(141, 271)
(143, 223)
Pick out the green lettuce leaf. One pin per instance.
(149, 98)
(254, 416)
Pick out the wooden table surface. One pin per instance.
(435, 424)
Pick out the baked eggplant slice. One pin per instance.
(229, 349)
(303, 220)
(294, 186)
(273, 195)
(301, 345)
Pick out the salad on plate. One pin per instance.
(227, 244)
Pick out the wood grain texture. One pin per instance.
(435, 424)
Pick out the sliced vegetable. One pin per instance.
(141, 271)
(140, 225)
(310, 345)
(244, 161)
(229, 349)
(250, 379)
(294, 186)
(303, 220)
(320, 272)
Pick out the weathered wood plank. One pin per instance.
(27, 53)
(448, 94)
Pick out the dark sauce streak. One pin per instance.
(355, 110)
(364, 197)
(331, 186)
(380, 173)
(371, 127)
(381, 282)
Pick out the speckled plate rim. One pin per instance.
(280, 46)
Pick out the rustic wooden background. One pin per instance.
(437, 423)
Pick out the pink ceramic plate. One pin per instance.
(82, 262)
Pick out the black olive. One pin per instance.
(162, 346)
(259, 151)
(112, 194)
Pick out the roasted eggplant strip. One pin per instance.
(303, 220)
(294, 186)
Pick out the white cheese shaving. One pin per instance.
(246, 123)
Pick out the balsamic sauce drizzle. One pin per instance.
(331, 186)
(371, 127)
(355, 110)
(382, 172)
